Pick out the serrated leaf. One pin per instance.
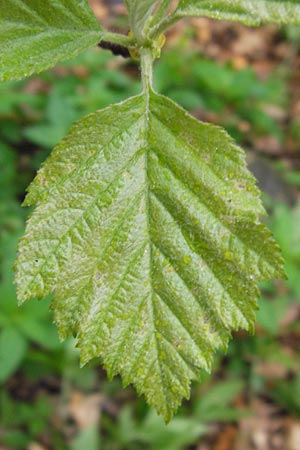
(35, 35)
(254, 12)
(147, 231)
(139, 12)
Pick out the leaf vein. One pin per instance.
(209, 266)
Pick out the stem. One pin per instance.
(147, 70)
(119, 39)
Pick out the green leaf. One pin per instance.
(35, 35)
(248, 12)
(139, 12)
(13, 348)
(43, 333)
(87, 438)
(147, 231)
(215, 403)
(152, 432)
(270, 314)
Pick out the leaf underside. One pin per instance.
(146, 229)
(249, 12)
(36, 34)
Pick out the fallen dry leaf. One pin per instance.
(85, 410)
(35, 446)
(293, 436)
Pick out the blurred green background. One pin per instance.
(252, 399)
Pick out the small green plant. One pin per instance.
(146, 222)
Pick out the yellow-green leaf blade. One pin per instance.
(35, 35)
(147, 230)
(248, 12)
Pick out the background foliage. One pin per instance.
(46, 401)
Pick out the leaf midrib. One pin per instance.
(148, 192)
(151, 260)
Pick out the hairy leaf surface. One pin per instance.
(36, 34)
(146, 228)
(139, 12)
(249, 12)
